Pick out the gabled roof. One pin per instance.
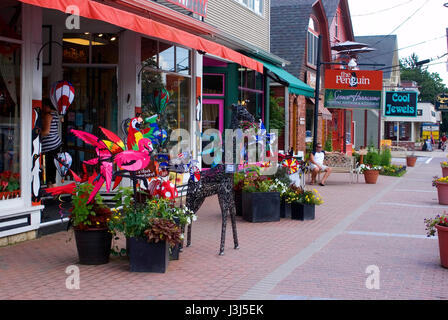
(330, 9)
(386, 47)
(289, 27)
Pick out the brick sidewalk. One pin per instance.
(357, 226)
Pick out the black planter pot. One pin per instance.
(238, 202)
(285, 209)
(302, 212)
(261, 206)
(175, 251)
(148, 256)
(93, 246)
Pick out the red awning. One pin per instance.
(130, 21)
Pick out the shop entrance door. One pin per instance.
(212, 118)
(95, 105)
(213, 114)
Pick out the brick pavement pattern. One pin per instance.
(358, 225)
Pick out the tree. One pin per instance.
(276, 114)
(430, 84)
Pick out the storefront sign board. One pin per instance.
(352, 99)
(401, 104)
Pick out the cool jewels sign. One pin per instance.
(401, 104)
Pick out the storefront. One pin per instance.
(116, 60)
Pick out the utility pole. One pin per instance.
(317, 93)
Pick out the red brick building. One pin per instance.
(295, 28)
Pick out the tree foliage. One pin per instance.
(276, 113)
(430, 84)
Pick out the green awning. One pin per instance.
(295, 85)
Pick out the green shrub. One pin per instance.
(386, 157)
(372, 157)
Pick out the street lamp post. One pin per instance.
(319, 63)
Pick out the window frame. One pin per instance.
(250, 5)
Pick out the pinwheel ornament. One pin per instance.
(291, 165)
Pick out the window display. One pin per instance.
(10, 130)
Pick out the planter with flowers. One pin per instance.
(261, 199)
(444, 166)
(303, 203)
(439, 223)
(442, 189)
(152, 230)
(9, 185)
(90, 222)
(371, 173)
(288, 197)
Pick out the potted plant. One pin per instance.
(442, 189)
(444, 166)
(261, 199)
(90, 222)
(303, 203)
(439, 223)
(411, 159)
(371, 173)
(151, 229)
(289, 196)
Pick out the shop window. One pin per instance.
(182, 60)
(100, 48)
(251, 90)
(213, 84)
(10, 130)
(104, 48)
(10, 19)
(167, 72)
(312, 48)
(166, 57)
(253, 101)
(76, 48)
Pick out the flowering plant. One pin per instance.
(441, 220)
(296, 194)
(436, 180)
(9, 181)
(393, 170)
(311, 197)
(363, 167)
(247, 125)
(444, 164)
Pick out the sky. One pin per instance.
(420, 20)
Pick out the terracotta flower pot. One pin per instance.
(442, 233)
(410, 161)
(371, 176)
(442, 192)
(444, 171)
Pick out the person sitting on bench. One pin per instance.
(317, 165)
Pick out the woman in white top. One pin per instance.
(317, 165)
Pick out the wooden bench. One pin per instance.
(340, 163)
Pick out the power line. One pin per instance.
(410, 46)
(406, 20)
(382, 10)
(427, 65)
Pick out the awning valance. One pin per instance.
(130, 21)
(295, 85)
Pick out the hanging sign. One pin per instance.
(354, 79)
(195, 6)
(442, 102)
(352, 99)
(401, 104)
